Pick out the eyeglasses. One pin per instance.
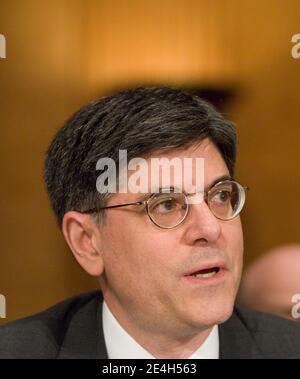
(169, 209)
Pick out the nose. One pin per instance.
(201, 224)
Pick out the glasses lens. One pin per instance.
(226, 200)
(167, 210)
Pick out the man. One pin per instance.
(272, 283)
(169, 266)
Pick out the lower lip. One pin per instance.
(213, 279)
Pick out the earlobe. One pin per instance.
(83, 237)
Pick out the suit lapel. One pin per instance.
(236, 341)
(84, 338)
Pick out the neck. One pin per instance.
(163, 348)
(161, 343)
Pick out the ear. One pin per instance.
(84, 239)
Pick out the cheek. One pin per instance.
(133, 253)
(232, 233)
(239, 238)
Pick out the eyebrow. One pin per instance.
(159, 190)
(219, 179)
(171, 188)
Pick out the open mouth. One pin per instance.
(206, 273)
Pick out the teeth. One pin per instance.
(207, 275)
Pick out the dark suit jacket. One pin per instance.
(73, 329)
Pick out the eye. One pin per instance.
(165, 204)
(222, 196)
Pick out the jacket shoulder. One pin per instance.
(41, 335)
(275, 337)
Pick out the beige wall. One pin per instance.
(63, 53)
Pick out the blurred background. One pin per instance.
(62, 54)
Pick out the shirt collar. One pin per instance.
(120, 344)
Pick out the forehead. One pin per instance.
(189, 169)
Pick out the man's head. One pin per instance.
(144, 269)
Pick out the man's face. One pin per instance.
(145, 267)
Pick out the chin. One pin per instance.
(212, 313)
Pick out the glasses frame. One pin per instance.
(186, 196)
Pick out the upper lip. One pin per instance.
(206, 266)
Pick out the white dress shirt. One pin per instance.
(119, 344)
